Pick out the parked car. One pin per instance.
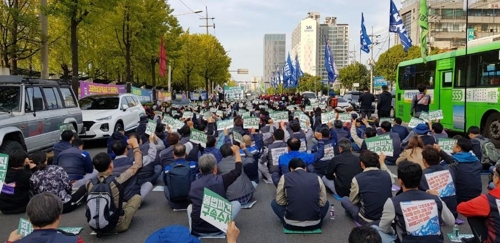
(353, 98)
(311, 95)
(343, 103)
(31, 112)
(105, 114)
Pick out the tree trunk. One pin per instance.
(74, 49)
(14, 34)
(128, 46)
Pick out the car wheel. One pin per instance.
(118, 127)
(492, 128)
(9, 146)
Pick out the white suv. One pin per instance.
(105, 114)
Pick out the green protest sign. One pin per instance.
(206, 115)
(436, 115)
(280, 116)
(198, 137)
(215, 210)
(297, 114)
(388, 119)
(291, 107)
(415, 121)
(72, 230)
(424, 116)
(219, 113)
(276, 153)
(245, 114)
(251, 122)
(66, 127)
(345, 117)
(221, 125)
(187, 114)
(447, 144)
(327, 117)
(4, 164)
(309, 108)
(303, 121)
(24, 228)
(237, 137)
(213, 110)
(380, 144)
(159, 113)
(151, 127)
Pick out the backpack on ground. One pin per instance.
(178, 181)
(490, 155)
(102, 213)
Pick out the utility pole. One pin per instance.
(45, 44)
(206, 20)
(371, 62)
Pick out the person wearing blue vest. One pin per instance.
(44, 212)
(369, 190)
(218, 184)
(293, 152)
(77, 164)
(301, 202)
(321, 166)
(67, 138)
(118, 135)
(418, 215)
(268, 162)
(396, 142)
(179, 151)
(251, 151)
(296, 132)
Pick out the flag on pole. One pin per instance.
(329, 63)
(288, 72)
(277, 77)
(162, 59)
(273, 80)
(364, 41)
(396, 25)
(423, 22)
(468, 3)
(298, 72)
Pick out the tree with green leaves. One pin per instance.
(354, 73)
(216, 62)
(310, 83)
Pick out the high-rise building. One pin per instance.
(274, 54)
(447, 28)
(308, 42)
(338, 37)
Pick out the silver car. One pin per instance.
(32, 112)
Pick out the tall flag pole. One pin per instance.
(467, 64)
(329, 63)
(288, 73)
(423, 22)
(162, 59)
(396, 25)
(298, 72)
(364, 39)
(277, 77)
(468, 3)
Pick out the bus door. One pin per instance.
(445, 84)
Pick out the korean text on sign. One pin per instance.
(216, 210)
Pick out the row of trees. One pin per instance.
(115, 40)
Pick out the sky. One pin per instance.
(242, 24)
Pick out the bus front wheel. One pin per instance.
(492, 128)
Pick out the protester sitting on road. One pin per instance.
(340, 130)
(437, 130)
(243, 188)
(218, 184)
(268, 162)
(118, 135)
(178, 177)
(192, 149)
(466, 168)
(399, 129)
(364, 234)
(54, 179)
(395, 210)
(77, 163)
(67, 137)
(431, 161)
(123, 162)
(267, 131)
(44, 213)
(15, 193)
(342, 169)
(321, 166)
(413, 152)
(167, 156)
(293, 152)
(151, 171)
(301, 202)
(482, 213)
(421, 130)
(368, 133)
(396, 143)
(478, 141)
(251, 149)
(105, 166)
(369, 190)
(211, 143)
(295, 131)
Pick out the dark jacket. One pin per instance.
(15, 193)
(241, 187)
(365, 101)
(396, 144)
(215, 152)
(50, 236)
(467, 170)
(75, 162)
(117, 136)
(401, 131)
(451, 201)
(61, 146)
(345, 166)
(384, 101)
(302, 190)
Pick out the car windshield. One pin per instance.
(99, 103)
(9, 99)
(342, 100)
(310, 95)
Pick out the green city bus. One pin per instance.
(444, 75)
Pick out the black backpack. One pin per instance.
(178, 181)
(102, 213)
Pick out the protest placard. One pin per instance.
(237, 137)
(276, 153)
(245, 114)
(251, 122)
(66, 126)
(442, 182)
(421, 217)
(4, 164)
(213, 110)
(158, 114)
(291, 107)
(71, 230)
(327, 117)
(198, 137)
(215, 210)
(345, 117)
(308, 108)
(222, 124)
(151, 127)
(436, 115)
(388, 119)
(187, 114)
(415, 121)
(206, 115)
(447, 144)
(279, 116)
(424, 116)
(219, 113)
(303, 118)
(24, 228)
(380, 144)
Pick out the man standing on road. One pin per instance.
(421, 101)
(365, 101)
(384, 103)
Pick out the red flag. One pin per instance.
(163, 59)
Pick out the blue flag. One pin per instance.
(277, 77)
(288, 73)
(396, 25)
(364, 39)
(298, 72)
(329, 63)
(273, 80)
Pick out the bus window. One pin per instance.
(413, 75)
(489, 67)
(460, 65)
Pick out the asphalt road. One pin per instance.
(258, 224)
